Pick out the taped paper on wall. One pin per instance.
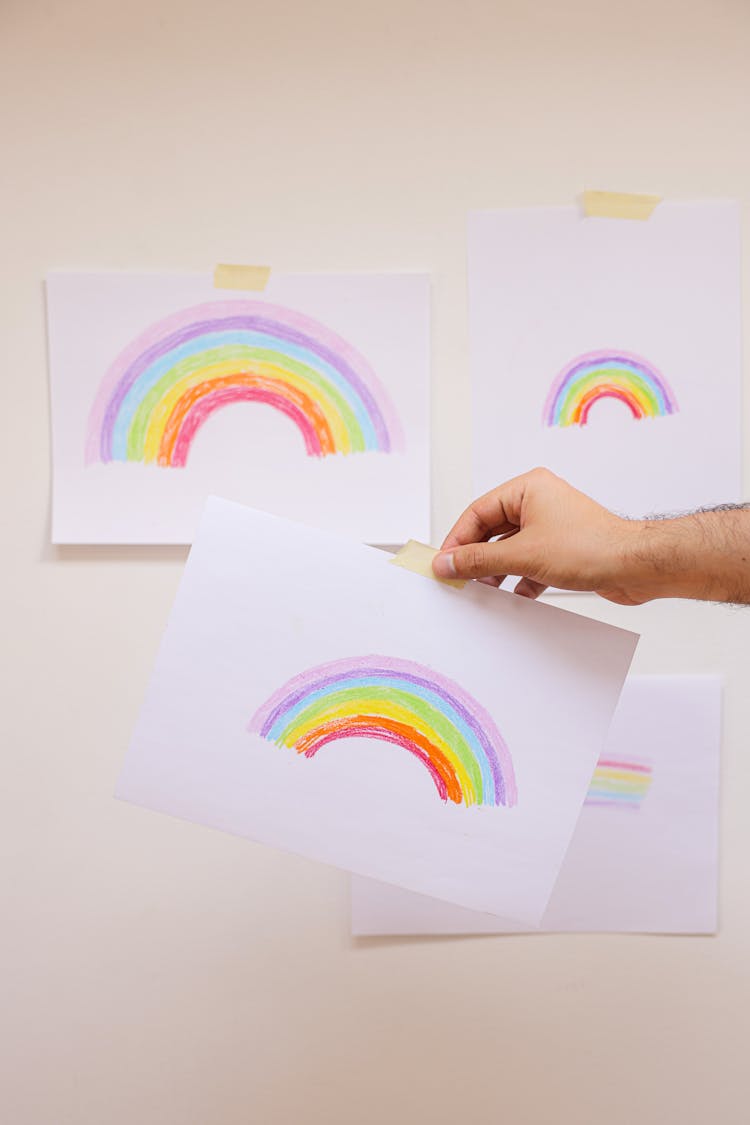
(312, 396)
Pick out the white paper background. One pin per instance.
(654, 870)
(546, 285)
(262, 600)
(248, 453)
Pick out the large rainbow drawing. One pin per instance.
(621, 375)
(169, 380)
(619, 784)
(401, 702)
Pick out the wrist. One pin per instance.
(662, 559)
(651, 562)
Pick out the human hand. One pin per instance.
(550, 534)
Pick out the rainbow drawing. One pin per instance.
(621, 375)
(169, 380)
(619, 784)
(401, 702)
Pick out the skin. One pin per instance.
(540, 528)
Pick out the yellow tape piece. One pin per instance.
(418, 557)
(241, 277)
(619, 205)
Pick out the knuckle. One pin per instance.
(541, 473)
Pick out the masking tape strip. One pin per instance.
(618, 205)
(241, 277)
(418, 557)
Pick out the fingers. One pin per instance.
(466, 552)
(492, 514)
(482, 562)
(498, 579)
(479, 560)
(528, 588)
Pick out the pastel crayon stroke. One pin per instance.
(399, 702)
(619, 784)
(168, 381)
(615, 374)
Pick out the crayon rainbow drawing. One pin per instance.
(619, 784)
(400, 702)
(168, 381)
(620, 375)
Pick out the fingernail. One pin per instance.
(444, 566)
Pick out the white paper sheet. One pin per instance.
(644, 855)
(310, 398)
(653, 304)
(527, 692)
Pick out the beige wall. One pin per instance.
(159, 973)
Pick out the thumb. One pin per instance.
(479, 560)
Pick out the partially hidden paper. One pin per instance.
(644, 855)
(610, 352)
(311, 696)
(312, 396)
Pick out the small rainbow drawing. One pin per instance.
(619, 784)
(621, 375)
(169, 380)
(401, 702)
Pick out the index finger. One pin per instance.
(495, 513)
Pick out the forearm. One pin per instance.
(705, 556)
